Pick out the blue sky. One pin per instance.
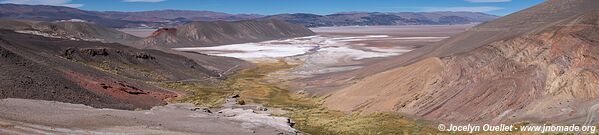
(267, 7)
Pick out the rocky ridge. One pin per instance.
(201, 34)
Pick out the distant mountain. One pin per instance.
(161, 18)
(69, 30)
(57, 13)
(104, 75)
(197, 34)
(377, 18)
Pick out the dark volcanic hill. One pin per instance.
(198, 34)
(537, 65)
(92, 73)
(376, 18)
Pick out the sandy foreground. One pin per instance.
(22, 116)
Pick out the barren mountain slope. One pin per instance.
(15, 24)
(91, 73)
(116, 19)
(69, 30)
(508, 70)
(528, 21)
(82, 30)
(92, 32)
(198, 34)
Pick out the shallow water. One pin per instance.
(333, 47)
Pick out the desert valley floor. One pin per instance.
(333, 50)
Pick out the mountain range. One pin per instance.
(377, 18)
(171, 18)
(201, 33)
(114, 19)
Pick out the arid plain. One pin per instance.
(334, 50)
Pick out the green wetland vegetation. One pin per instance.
(307, 112)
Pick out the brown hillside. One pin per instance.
(198, 34)
(543, 68)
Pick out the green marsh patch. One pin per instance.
(307, 112)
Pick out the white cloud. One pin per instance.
(66, 3)
(487, 1)
(144, 0)
(469, 9)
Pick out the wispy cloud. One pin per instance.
(487, 1)
(66, 3)
(469, 9)
(144, 0)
